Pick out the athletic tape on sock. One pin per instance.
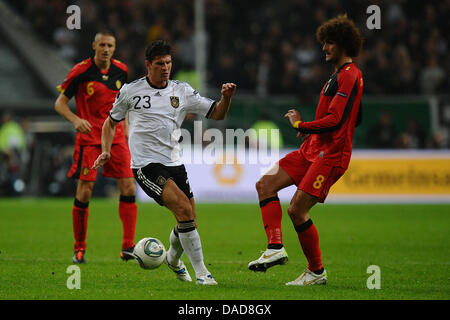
(186, 226)
(81, 205)
(264, 202)
(128, 199)
(304, 226)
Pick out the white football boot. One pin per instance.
(206, 280)
(180, 270)
(269, 258)
(308, 278)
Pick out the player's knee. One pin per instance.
(129, 190)
(294, 211)
(127, 187)
(291, 211)
(258, 186)
(297, 214)
(262, 187)
(84, 192)
(84, 196)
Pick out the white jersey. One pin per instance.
(155, 116)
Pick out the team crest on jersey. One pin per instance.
(174, 102)
(85, 171)
(118, 84)
(161, 181)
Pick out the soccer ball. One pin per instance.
(150, 253)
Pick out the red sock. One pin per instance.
(128, 215)
(309, 240)
(80, 214)
(271, 216)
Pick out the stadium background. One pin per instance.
(267, 48)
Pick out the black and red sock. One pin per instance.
(128, 216)
(271, 215)
(309, 240)
(80, 215)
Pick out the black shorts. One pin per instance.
(153, 176)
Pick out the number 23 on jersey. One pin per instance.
(137, 102)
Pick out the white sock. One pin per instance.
(192, 246)
(175, 250)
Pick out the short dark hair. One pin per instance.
(104, 33)
(343, 31)
(157, 48)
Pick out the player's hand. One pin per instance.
(101, 160)
(304, 136)
(82, 125)
(228, 89)
(293, 116)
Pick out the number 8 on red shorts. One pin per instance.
(314, 178)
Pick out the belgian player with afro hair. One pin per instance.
(323, 157)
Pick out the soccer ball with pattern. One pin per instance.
(150, 253)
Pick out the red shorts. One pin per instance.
(314, 178)
(117, 167)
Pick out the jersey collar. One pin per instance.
(150, 84)
(104, 72)
(340, 68)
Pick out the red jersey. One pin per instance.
(337, 115)
(95, 91)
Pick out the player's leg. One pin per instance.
(117, 167)
(286, 172)
(80, 215)
(177, 202)
(312, 189)
(267, 188)
(83, 157)
(194, 211)
(152, 179)
(128, 215)
(308, 237)
(271, 212)
(176, 249)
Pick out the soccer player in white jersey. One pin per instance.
(156, 108)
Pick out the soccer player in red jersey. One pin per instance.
(323, 157)
(95, 83)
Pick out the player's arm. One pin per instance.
(61, 106)
(67, 90)
(108, 131)
(221, 109)
(126, 127)
(338, 111)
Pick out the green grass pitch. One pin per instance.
(409, 243)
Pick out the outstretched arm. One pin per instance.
(221, 109)
(108, 131)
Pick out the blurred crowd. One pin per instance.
(266, 47)
(14, 153)
(32, 161)
(385, 134)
